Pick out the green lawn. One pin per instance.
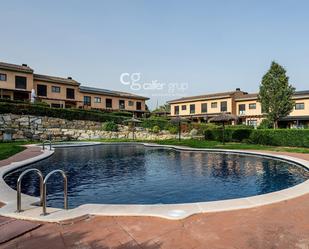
(215, 145)
(232, 146)
(9, 149)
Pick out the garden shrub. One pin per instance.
(281, 137)
(156, 129)
(110, 126)
(208, 134)
(230, 134)
(265, 124)
(155, 121)
(173, 129)
(241, 134)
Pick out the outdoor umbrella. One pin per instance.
(222, 118)
(133, 121)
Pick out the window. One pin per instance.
(20, 82)
(56, 89)
(121, 104)
(223, 107)
(42, 90)
(192, 108)
(87, 100)
(56, 105)
(299, 106)
(252, 122)
(183, 107)
(204, 107)
(242, 109)
(131, 103)
(252, 106)
(97, 99)
(108, 103)
(214, 104)
(70, 93)
(138, 105)
(176, 109)
(2, 77)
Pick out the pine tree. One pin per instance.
(276, 94)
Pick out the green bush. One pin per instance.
(209, 134)
(156, 129)
(110, 126)
(69, 114)
(173, 129)
(281, 137)
(241, 134)
(230, 134)
(155, 121)
(265, 124)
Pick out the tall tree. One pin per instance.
(276, 94)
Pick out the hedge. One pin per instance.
(281, 137)
(69, 114)
(230, 134)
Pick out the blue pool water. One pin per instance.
(134, 174)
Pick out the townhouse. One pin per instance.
(17, 82)
(246, 106)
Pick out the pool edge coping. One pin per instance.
(167, 211)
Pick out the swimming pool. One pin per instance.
(135, 174)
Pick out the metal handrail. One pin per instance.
(65, 186)
(50, 144)
(19, 187)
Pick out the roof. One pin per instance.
(87, 89)
(205, 96)
(294, 118)
(254, 96)
(18, 68)
(247, 96)
(54, 79)
(300, 93)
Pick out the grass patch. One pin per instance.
(231, 146)
(214, 145)
(10, 149)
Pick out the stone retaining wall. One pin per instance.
(25, 127)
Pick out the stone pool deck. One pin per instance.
(281, 225)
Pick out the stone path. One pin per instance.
(283, 225)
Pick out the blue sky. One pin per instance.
(206, 46)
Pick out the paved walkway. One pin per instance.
(282, 225)
(25, 154)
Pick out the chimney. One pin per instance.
(238, 89)
(24, 65)
(69, 78)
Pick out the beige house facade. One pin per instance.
(246, 106)
(17, 82)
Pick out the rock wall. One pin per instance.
(25, 127)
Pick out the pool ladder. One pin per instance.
(43, 189)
